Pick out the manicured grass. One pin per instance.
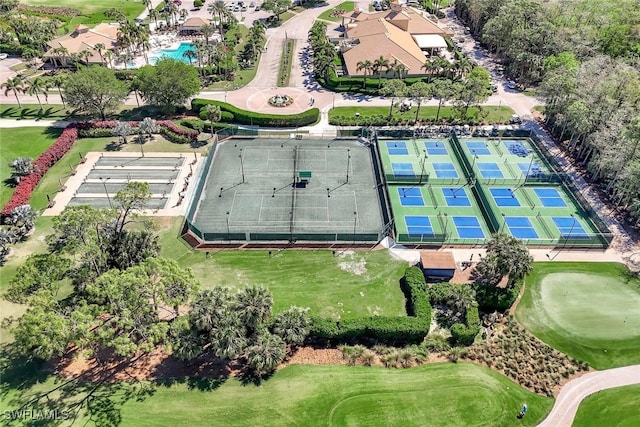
(618, 407)
(21, 142)
(347, 6)
(286, 60)
(427, 113)
(91, 11)
(590, 311)
(361, 283)
(32, 111)
(438, 394)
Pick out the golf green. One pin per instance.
(589, 311)
(618, 407)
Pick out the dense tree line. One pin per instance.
(594, 109)
(526, 32)
(127, 300)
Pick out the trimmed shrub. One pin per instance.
(388, 330)
(415, 291)
(491, 298)
(466, 334)
(245, 117)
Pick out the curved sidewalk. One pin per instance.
(575, 391)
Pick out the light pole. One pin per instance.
(528, 169)
(504, 222)
(228, 230)
(241, 165)
(573, 224)
(104, 184)
(446, 223)
(348, 163)
(355, 223)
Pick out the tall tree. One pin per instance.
(365, 66)
(213, 114)
(379, 65)
(395, 89)
(14, 85)
(506, 255)
(276, 6)
(170, 83)
(95, 91)
(418, 92)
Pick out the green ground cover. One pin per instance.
(59, 112)
(91, 11)
(618, 407)
(590, 311)
(346, 6)
(444, 394)
(491, 114)
(21, 142)
(349, 285)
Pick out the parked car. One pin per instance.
(3, 56)
(494, 87)
(511, 84)
(515, 119)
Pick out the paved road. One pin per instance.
(575, 391)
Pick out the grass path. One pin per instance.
(441, 394)
(590, 311)
(615, 407)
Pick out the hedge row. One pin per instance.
(22, 192)
(382, 329)
(245, 117)
(388, 330)
(466, 334)
(416, 293)
(491, 298)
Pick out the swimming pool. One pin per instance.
(172, 53)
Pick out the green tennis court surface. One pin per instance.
(461, 191)
(289, 190)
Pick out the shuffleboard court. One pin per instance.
(468, 227)
(134, 174)
(118, 161)
(113, 188)
(396, 148)
(504, 197)
(103, 202)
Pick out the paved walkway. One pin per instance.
(575, 391)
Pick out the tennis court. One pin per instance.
(468, 227)
(550, 197)
(520, 227)
(493, 186)
(397, 148)
(504, 197)
(290, 190)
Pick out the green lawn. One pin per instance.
(347, 6)
(21, 142)
(440, 394)
(91, 11)
(32, 111)
(355, 284)
(618, 407)
(427, 113)
(590, 311)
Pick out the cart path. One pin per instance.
(574, 392)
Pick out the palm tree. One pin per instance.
(431, 67)
(254, 306)
(207, 31)
(219, 10)
(35, 87)
(13, 85)
(365, 65)
(378, 65)
(100, 47)
(109, 55)
(58, 80)
(154, 14)
(265, 356)
(60, 54)
(292, 326)
(213, 114)
(463, 66)
(190, 55)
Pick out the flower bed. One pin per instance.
(41, 165)
(22, 192)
